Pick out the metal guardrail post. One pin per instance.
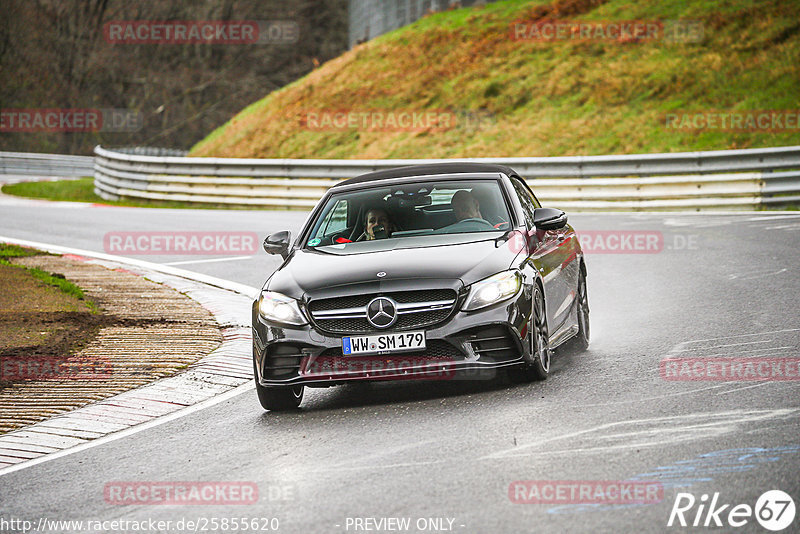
(34, 164)
(725, 179)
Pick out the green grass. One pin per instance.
(546, 98)
(82, 190)
(57, 280)
(15, 251)
(52, 279)
(783, 207)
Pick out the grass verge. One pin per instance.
(82, 190)
(56, 280)
(537, 97)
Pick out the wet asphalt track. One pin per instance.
(723, 285)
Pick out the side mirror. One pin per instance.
(278, 243)
(549, 218)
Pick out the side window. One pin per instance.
(334, 221)
(536, 202)
(525, 199)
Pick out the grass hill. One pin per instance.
(537, 97)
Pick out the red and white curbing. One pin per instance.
(224, 373)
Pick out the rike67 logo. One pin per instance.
(774, 510)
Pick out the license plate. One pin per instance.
(383, 343)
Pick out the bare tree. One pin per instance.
(55, 55)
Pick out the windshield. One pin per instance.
(411, 210)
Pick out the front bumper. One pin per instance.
(466, 346)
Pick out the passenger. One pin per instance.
(377, 225)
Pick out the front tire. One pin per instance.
(580, 342)
(538, 368)
(279, 398)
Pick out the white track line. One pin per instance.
(728, 345)
(656, 397)
(764, 383)
(158, 267)
(196, 277)
(789, 215)
(213, 260)
(132, 430)
(702, 423)
(783, 331)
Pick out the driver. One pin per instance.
(467, 212)
(465, 206)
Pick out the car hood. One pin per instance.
(310, 272)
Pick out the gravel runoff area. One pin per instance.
(151, 331)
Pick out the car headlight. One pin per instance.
(492, 290)
(279, 308)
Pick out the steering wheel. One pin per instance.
(478, 220)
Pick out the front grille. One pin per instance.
(337, 303)
(404, 322)
(354, 321)
(493, 343)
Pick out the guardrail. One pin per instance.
(727, 179)
(34, 164)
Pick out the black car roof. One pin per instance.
(429, 169)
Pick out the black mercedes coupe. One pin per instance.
(437, 272)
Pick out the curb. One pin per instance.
(222, 374)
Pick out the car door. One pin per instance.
(564, 249)
(542, 254)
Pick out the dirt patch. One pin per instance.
(40, 321)
(56, 355)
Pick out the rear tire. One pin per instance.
(538, 368)
(279, 398)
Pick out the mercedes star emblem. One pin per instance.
(382, 312)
